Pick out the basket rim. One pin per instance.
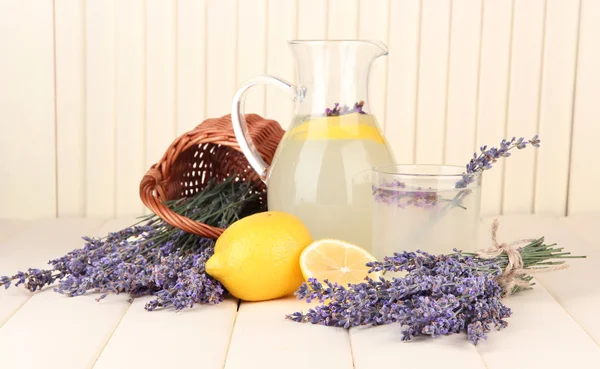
(152, 186)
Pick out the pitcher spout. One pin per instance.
(381, 49)
(334, 72)
(376, 48)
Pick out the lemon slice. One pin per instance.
(347, 127)
(336, 261)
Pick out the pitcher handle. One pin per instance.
(240, 126)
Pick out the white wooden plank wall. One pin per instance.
(92, 92)
(494, 74)
(584, 174)
(523, 101)
(432, 80)
(100, 101)
(463, 74)
(27, 123)
(161, 115)
(282, 25)
(403, 71)
(130, 104)
(556, 105)
(191, 64)
(69, 46)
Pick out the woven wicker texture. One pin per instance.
(208, 151)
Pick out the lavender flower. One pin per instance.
(488, 157)
(440, 295)
(397, 193)
(5, 281)
(393, 194)
(151, 257)
(119, 264)
(337, 110)
(191, 285)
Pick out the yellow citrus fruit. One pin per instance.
(336, 261)
(256, 258)
(345, 127)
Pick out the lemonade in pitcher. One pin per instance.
(321, 169)
(339, 151)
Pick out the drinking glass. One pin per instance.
(427, 207)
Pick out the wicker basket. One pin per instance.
(208, 151)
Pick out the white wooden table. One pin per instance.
(557, 325)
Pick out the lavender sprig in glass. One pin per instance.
(486, 159)
(401, 195)
(397, 193)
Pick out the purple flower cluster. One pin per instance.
(394, 193)
(123, 263)
(397, 194)
(337, 110)
(151, 257)
(488, 157)
(33, 279)
(439, 295)
(183, 282)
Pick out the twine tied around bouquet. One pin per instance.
(513, 273)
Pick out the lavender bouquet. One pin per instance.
(439, 295)
(150, 257)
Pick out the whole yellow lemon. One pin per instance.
(257, 257)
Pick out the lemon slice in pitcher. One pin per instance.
(346, 127)
(336, 261)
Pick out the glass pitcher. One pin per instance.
(320, 171)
